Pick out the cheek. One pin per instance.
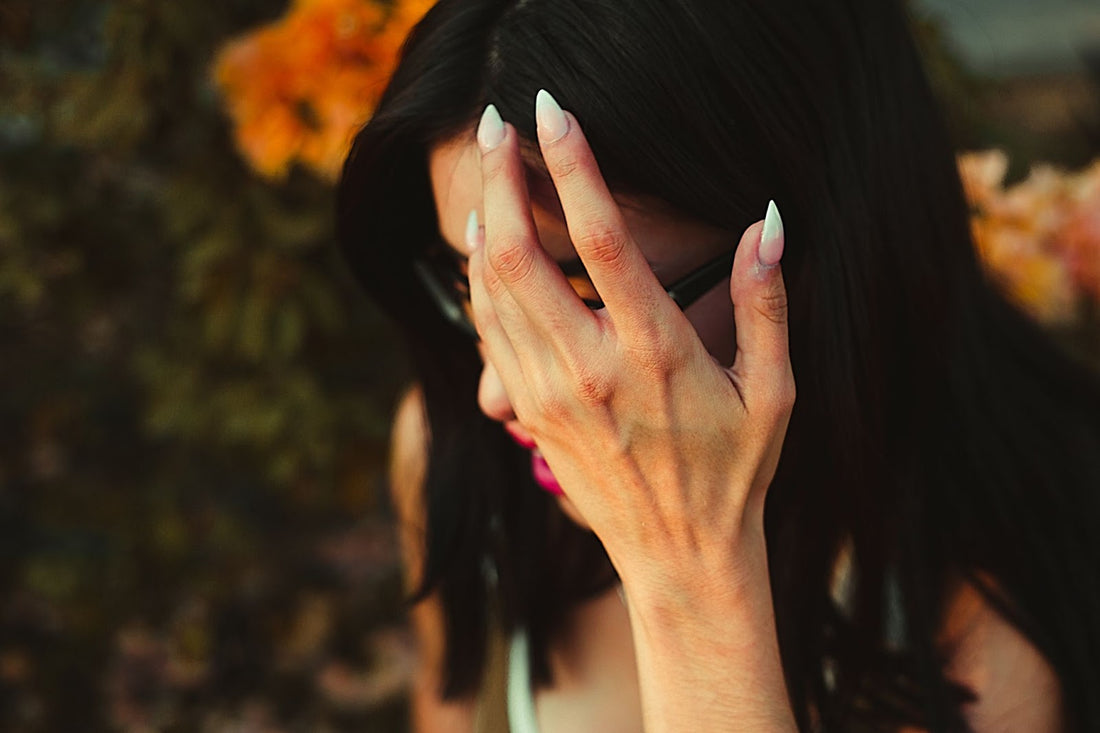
(712, 317)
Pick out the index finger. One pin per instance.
(622, 277)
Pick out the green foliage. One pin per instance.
(198, 396)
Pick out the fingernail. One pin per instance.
(490, 132)
(473, 231)
(770, 250)
(550, 120)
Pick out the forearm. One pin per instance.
(707, 650)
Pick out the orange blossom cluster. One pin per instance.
(298, 89)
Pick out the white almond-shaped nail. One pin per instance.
(551, 122)
(490, 131)
(771, 238)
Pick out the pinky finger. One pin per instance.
(497, 347)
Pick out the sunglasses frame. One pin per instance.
(685, 291)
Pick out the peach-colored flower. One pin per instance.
(1081, 234)
(1041, 237)
(982, 175)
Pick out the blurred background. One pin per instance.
(194, 530)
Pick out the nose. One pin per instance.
(491, 397)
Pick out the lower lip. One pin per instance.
(543, 476)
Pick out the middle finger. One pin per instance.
(513, 253)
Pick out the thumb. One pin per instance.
(763, 362)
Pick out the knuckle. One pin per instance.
(563, 166)
(592, 384)
(511, 259)
(604, 243)
(592, 387)
(773, 306)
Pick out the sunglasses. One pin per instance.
(442, 274)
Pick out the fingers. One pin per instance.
(622, 277)
(541, 299)
(498, 347)
(763, 362)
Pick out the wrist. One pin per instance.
(707, 639)
(729, 571)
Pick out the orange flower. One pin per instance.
(298, 89)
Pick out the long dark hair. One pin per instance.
(938, 433)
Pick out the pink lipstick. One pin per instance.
(544, 477)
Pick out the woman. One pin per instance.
(926, 560)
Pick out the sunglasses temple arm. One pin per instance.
(687, 290)
(450, 309)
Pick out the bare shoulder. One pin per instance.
(409, 455)
(1016, 687)
(407, 471)
(408, 463)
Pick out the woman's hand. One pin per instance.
(664, 452)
